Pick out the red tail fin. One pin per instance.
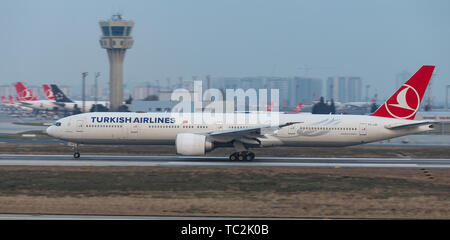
(298, 108)
(11, 99)
(269, 108)
(48, 92)
(4, 100)
(25, 94)
(405, 102)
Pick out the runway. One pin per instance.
(180, 161)
(104, 217)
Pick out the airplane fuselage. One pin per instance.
(162, 128)
(47, 105)
(71, 106)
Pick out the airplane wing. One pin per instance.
(246, 135)
(408, 125)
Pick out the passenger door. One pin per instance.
(363, 129)
(134, 129)
(79, 126)
(292, 130)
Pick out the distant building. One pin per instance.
(304, 90)
(254, 82)
(7, 90)
(226, 83)
(344, 89)
(283, 85)
(354, 89)
(142, 91)
(152, 106)
(102, 93)
(292, 90)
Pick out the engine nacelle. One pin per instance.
(191, 144)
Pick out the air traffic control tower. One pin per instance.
(116, 39)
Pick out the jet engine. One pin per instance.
(191, 144)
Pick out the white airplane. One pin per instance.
(12, 103)
(28, 99)
(67, 104)
(6, 102)
(393, 119)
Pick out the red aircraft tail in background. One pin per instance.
(11, 99)
(5, 101)
(48, 92)
(297, 109)
(25, 94)
(269, 108)
(405, 103)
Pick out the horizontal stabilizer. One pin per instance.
(408, 125)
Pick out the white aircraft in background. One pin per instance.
(13, 104)
(393, 119)
(28, 99)
(67, 104)
(6, 102)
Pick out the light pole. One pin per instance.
(84, 74)
(446, 97)
(97, 74)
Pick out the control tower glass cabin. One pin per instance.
(116, 39)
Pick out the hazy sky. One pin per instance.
(54, 41)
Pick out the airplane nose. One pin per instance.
(51, 131)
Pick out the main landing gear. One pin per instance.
(242, 156)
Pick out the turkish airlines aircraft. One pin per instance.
(48, 92)
(6, 101)
(393, 119)
(28, 99)
(297, 109)
(13, 104)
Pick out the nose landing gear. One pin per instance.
(76, 153)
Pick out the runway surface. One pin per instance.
(104, 217)
(180, 161)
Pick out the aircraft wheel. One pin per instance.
(242, 156)
(250, 156)
(76, 155)
(233, 157)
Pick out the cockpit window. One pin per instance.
(57, 124)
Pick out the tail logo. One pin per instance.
(25, 94)
(59, 95)
(408, 102)
(49, 93)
